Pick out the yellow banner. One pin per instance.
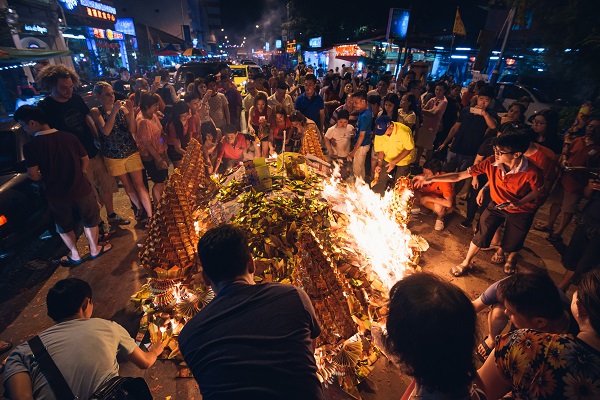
(459, 27)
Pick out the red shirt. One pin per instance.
(546, 160)
(233, 151)
(580, 155)
(439, 189)
(511, 186)
(278, 130)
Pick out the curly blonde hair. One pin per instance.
(48, 77)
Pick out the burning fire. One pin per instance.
(384, 245)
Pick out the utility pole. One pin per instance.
(496, 72)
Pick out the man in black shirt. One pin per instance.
(252, 341)
(468, 133)
(68, 112)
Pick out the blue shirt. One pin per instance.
(310, 108)
(365, 123)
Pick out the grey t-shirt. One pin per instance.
(84, 350)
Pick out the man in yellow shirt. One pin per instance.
(395, 149)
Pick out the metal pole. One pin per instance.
(496, 72)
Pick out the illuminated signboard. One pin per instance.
(125, 25)
(349, 50)
(108, 34)
(35, 29)
(314, 42)
(398, 24)
(99, 10)
(69, 4)
(278, 44)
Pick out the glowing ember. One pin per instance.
(383, 243)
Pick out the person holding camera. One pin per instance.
(115, 121)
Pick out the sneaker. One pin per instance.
(466, 224)
(415, 210)
(117, 219)
(439, 225)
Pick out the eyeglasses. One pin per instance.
(500, 152)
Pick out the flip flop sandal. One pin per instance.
(554, 238)
(459, 270)
(542, 228)
(498, 259)
(102, 251)
(486, 350)
(5, 346)
(68, 261)
(509, 268)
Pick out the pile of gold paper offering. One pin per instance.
(343, 244)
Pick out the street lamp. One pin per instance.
(257, 26)
(222, 30)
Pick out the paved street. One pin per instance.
(116, 276)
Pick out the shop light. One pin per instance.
(494, 58)
(70, 36)
(567, 50)
(3, 220)
(540, 69)
(439, 47)
(459, 57)
(463, 48)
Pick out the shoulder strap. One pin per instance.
(57, 382)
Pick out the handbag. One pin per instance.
(117, 388)
(123, 388)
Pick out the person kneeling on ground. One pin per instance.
(421, 307)
(514, 185)
(231, 150)
(438, 197)
(537, 364)
(252, 341)
(83, 348)
(532, 295)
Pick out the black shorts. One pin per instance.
(157, 175)
(173, 154)
(67, 212)
(515, 231)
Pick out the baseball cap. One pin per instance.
(382, 124)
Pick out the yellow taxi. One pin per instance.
(241, 74)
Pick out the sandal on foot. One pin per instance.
(459, 270)
(483, 350)
(510, 268)
(103, 249)
(542, 228)
(5, 346)
(498, 258)
(554, 238)
(69, 262)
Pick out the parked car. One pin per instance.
(23, 206)
(199, 69)
(241, 74)
(511, 92)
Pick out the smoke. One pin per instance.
(269, 26)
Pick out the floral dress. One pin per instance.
(544, 366)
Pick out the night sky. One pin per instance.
(240, 17)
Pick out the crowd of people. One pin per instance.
(539, 344)
(377, 132)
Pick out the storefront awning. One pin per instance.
(11, 55)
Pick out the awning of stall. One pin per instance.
(12, 55)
